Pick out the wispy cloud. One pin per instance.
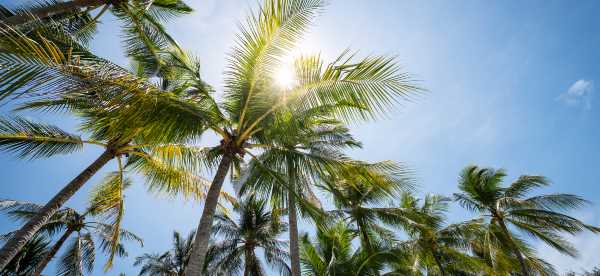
(579, 94)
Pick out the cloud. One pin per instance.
(579, 94)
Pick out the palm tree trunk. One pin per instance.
(58, 8)
(196, 262)
(293, 220)
(23, 235)
(439, 263)
(42, 264)
(293, 229)
(248, 263)
(514, 247)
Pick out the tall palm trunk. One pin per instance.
(293, 229)
(196, 262)
(23, 235)
(514, 247)
(293, 220)
(42, 264)
(248, 261)
(58, 8)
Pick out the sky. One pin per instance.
(510, 84)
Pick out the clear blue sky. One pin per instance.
(511, 84)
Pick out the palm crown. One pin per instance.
(538, 216)
(172, 262)
(80, 253)
(256, 228)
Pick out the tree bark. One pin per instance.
(439, 263)
(23, 235)
(42, 264)
(58, 8)
(196, 262)
(514, 247)
(248, 261)
(293, 230)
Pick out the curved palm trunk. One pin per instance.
(58, 8)
(293, 230)
(23, 235)
(196, 262)
(42, 264)
(514, 247)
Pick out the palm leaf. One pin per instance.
(28, 139)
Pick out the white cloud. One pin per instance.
(579, 94)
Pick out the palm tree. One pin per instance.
(331, 253)
(169, 263)
(133, 119)
(538, 216)
(433, 245)
(252, 100)
(28, 258)
(68, 222)
(306, 143)
(256, 228)
(362, 194)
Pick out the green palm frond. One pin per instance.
(107, 202)
(370, 86)
(28, 139)
(165, 178)
(26, 261)
(255, 226)
(263, 40)
(79, 257)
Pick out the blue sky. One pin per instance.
(511, 84)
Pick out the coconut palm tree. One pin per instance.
(237, 240)
(306, 143)
(362, 194)
(140, 124)
(538, 216)
(169, 263)
(28, 258)
(253, 100)
(331, 253)
(66, 223)
(434, 246)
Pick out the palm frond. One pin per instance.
(28, 139)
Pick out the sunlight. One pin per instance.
(284, 77)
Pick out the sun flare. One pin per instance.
(284, 77)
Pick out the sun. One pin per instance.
(284, 77)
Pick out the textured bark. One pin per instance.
(23, 235)
(293, 224)
(248, 261)
(200, 247)
(514, 247)
(42, 264)
(293, 220)
(58, 8)
(439, 263)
